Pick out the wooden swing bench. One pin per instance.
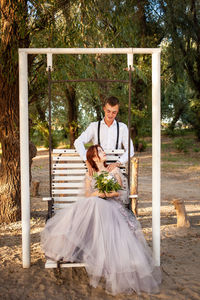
(68, 172)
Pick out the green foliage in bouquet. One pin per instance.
(105, 182)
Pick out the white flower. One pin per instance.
(106, 178)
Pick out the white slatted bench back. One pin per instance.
(68, 173)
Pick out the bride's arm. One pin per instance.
(89, 190)
(118, 177)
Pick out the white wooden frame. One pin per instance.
(24, 135)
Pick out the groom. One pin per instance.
(108, 133)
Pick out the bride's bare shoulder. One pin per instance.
(116, 170)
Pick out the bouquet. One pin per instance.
(106, 182)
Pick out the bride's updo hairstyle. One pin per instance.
(91, 153)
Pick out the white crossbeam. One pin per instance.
(90, 50)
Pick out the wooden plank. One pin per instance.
(62, 205)
(50, 264)
(67, 158)
(67, 199)
(116, 151)
(66, 191)
(73, 151)
(68, 184)
(69, 178)
(77, 158)
(66, 172)
(68, 151)
(68, 166)
(72, 265)
(46, 198)
(112, 158)
(123, 171)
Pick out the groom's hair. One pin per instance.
(112, 101)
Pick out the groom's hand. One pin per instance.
(90, 170)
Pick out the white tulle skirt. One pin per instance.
(107, 237)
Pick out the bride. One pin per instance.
(99, 231)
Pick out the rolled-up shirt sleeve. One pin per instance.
(83, 139)
(124, 158)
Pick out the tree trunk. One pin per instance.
(14, 35)
(98, 106)
(9, 178)
(196, 119)
(175, 118)
(72, 114)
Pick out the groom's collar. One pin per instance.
(113, 124)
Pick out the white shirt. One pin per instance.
(108, 138)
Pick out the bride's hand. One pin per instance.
(112, 194)
(99, 194)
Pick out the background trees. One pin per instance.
(181, 21)
(93, 23)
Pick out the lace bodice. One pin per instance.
(123, 194)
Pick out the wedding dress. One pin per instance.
(106, 236)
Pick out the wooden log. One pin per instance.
(182, 219)
(134, 185)
(35, 188)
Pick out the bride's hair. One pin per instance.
(91, 153)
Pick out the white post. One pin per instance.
(156, 156)
(24, 157)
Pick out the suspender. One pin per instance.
(98, 133)
(117, 142)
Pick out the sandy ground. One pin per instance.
(180, 248)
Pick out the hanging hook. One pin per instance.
(49, 62)
(130, 62)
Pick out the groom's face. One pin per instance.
(110, 112)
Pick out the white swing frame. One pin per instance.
(24, 134)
